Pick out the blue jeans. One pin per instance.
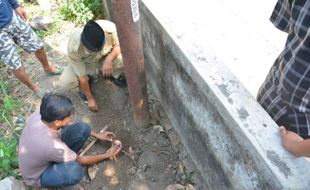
(67, 173)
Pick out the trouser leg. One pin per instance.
(62, 174)
(118, 67)
(68, 79)
(75, 135)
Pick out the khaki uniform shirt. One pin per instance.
(80, 58)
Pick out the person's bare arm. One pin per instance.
(86, 89)
(21, 12)
(93, 159)
(107, 64)
(295, 144)
(89, 160)
(105, 136)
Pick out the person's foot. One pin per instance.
(54, 70)
(38, 91)
(35, 88)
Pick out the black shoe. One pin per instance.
(120, 81)
(83, 96)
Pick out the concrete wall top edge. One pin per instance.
(237, 103)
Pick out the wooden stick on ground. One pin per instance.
(131, 157)
(92, 142)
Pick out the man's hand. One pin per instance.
(114, 149)
(92, 104)
(106, 136)
(21, 12)
(107, 68)
(291, 141)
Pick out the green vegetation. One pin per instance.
(58, 21)
(11, 121)
(189, 177)
(76, 11)
(8, 157)
(12, 109)
(79, 11)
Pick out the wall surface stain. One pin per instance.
(274, 158)
(243, 114)
(225, 92)
(223, 89)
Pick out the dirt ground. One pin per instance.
(148, 160)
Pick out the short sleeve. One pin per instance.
(281, 15)
(77, 64)
(115, 41)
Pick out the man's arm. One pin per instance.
(89, 160)
(86, 89)
(295, 144)
(107, 64)
(93, 159)
(20, 11)
(14, 4)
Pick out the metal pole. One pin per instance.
(126, 16)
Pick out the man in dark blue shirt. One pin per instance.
(285, 94)
(14, 30)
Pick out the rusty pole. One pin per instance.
(126, 15)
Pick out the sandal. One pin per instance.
(60, 70)
(41, 93)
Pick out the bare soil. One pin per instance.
(153, 163)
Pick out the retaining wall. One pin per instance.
(231, 139)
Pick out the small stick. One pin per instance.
(130, 156)
(92, 142)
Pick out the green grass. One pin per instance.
(10, 109)
(8, 157)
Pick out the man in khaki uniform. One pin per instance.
(91, 49)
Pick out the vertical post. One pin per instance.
(126, 16)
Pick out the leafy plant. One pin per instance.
(4, 87)
(6, 110)
(8, 139)
(8, 157)
(80, 11)
(189, 177)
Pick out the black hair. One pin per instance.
(55, 107)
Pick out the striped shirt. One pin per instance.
(285, 94)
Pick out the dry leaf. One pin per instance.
(92, 171)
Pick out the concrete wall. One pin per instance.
(231, 139)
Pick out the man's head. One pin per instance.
(56, 108)
(92, 36)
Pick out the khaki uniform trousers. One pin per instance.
(69, 80)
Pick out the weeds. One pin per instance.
(189, 177)
(8, 157)
(80, 12)
(10, 130)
